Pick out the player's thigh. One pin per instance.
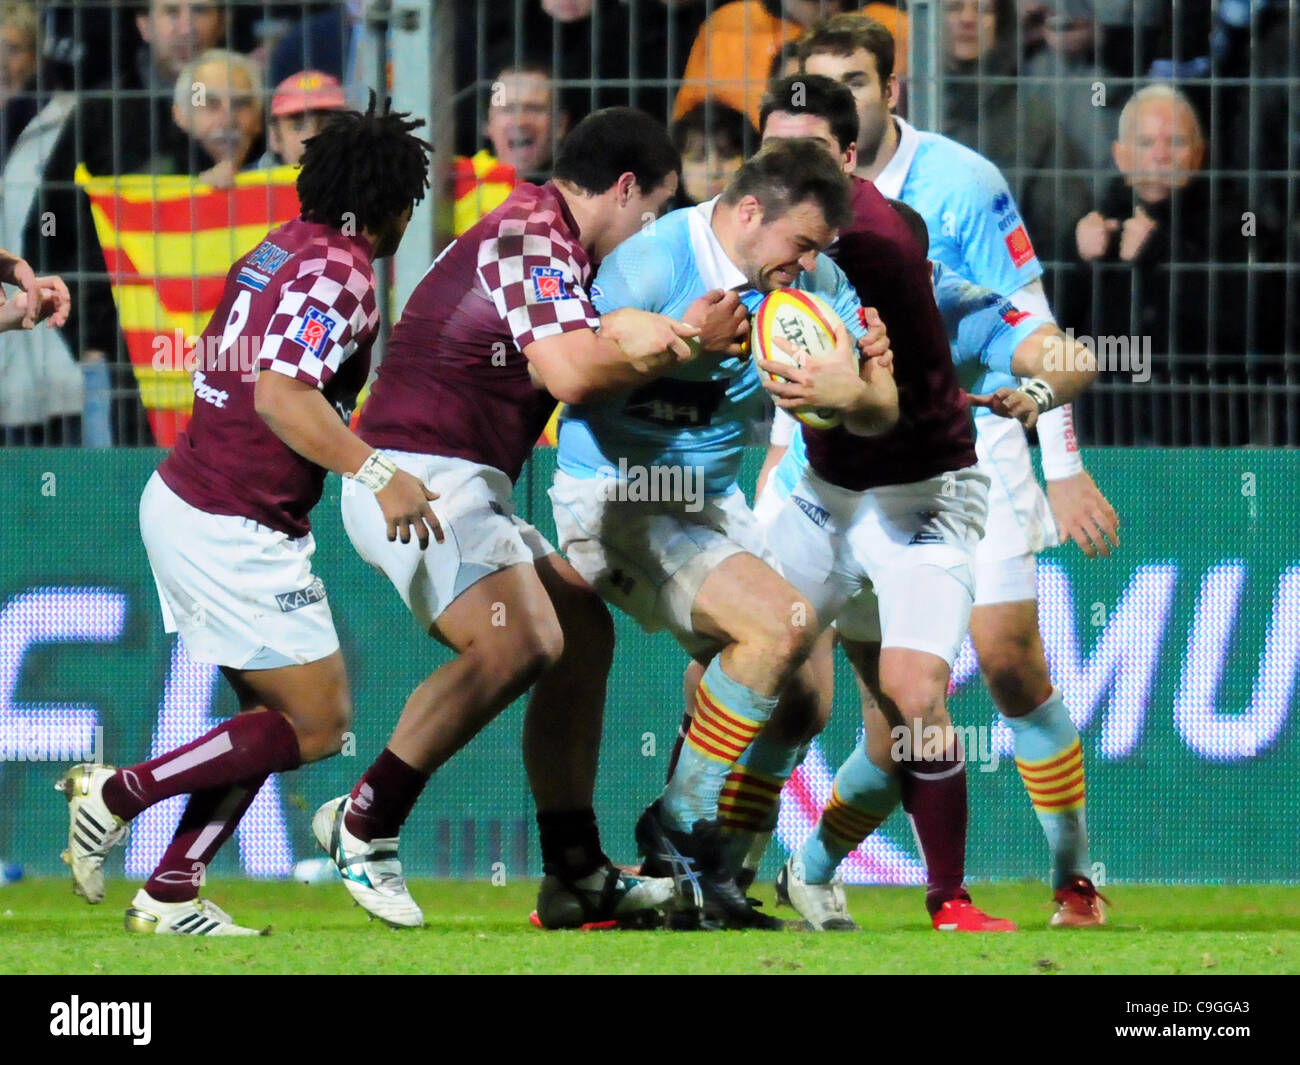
(507, 620)
(1009, 648)
(744, 600)
(482, 536)
(583, 617)
(315, 697)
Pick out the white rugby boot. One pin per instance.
(371, 871)
(92, 830)
(198, 917)
(822, 906)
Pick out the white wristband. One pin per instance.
(1058, 445)
(1040, 392)
(375, 472)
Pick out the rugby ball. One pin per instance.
(805, 321)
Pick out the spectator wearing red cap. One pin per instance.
(299, 110)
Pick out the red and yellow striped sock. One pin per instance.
(717, 732)
(1055, 784)
(845, 825)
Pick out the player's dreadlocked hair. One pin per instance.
(365, 169)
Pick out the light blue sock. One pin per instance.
(863, 797)
(1049, 757)
(728, 716)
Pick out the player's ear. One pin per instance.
(851, 157)
(891, 91)
(626, 188)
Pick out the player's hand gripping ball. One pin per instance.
(806, 322)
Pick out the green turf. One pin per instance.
(479, 928)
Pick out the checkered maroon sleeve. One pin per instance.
(324, 314)
(536, 278)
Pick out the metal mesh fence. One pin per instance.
(1170, 239)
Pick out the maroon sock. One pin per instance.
(384, 798)
(934, 796)
(245, 747)
(209, 819)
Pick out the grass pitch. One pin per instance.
(479, 928)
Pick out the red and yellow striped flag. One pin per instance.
(168, 243)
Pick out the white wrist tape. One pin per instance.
(1040, 392)
(375, 472)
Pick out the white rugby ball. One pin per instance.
(805, 321)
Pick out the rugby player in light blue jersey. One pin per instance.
(645, 497)
(976, 230)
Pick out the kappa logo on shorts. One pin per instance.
(819, 515)
(313, 593)
(548, 283)
(315, 330)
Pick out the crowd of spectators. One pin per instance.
(1162, 212)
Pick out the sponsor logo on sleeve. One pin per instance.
(1018, 246)
(1012, 315)
(1001, 203)
(314, 332)
(596, 292)
(548, 284)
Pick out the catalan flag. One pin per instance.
(168, 243)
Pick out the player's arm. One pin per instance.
(779, 440)
(578, 365)
(1082, 513)
(1044, 388)
(866, 395)
(288, 396)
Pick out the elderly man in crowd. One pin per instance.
(1164, 267)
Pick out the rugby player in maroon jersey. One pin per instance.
(500, 328)
(225, 516)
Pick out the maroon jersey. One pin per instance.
(881, 258)
(454, 380)
(302, 303)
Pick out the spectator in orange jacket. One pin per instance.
(733, 53)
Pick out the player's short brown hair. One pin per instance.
(791, 171)
(848, 33)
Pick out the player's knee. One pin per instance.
(532, 653)
(1014, 682)
(790, 641)
(322, 734)
(919, 702)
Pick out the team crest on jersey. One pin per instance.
(819, 515)
(1001, 203)
(1018, 246)
(548, 283)
(315, 330)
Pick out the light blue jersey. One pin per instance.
(701, 414)
(984, 330)
(974, 223)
